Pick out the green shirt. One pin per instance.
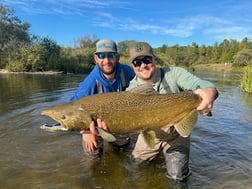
(178, 79)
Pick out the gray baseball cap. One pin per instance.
(106, 45)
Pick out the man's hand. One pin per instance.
(92, 130)
(101, 124)
(91, 140)
(208, 96)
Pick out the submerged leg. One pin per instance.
(177, 162)
(94, 154)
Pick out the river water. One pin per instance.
(221, 148)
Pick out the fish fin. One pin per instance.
(149, 138)
(146, 88)
(106, 135)
(186, 125)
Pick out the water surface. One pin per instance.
(221, 148)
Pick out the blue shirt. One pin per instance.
(89, 85)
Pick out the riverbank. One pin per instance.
(206, 67)
(3, 71)
(217, 67)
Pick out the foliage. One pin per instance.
(21, 51)
(13, 34)
(41, 55)
(76, 60)
(86, 41)
(29, 58)
(243, 57)
(246, 81)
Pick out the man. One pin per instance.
(108, 75)
(167, 80)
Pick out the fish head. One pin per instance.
(71, 117)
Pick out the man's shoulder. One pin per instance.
(90, 77)
(174, 70)
(90, 80)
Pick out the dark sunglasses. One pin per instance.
(110, 55)
(145, 60)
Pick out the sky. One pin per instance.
(157, 22)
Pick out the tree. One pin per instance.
(52, 53)
(86, 41)
(13, 34)
(122, 46)
(243, 57)
(30, 58)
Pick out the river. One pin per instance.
(221, 147)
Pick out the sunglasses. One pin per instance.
(145, 60)
(111, 55)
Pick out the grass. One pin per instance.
(246, 80)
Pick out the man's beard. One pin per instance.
(108, 72)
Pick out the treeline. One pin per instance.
(25, 52)
(21, 51)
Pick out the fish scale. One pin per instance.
(129, 111)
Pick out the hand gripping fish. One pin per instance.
(141, 109)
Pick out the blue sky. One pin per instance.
(157, 22)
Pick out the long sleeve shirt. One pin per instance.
(91, 84)
(178, 79)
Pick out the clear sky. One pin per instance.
(157, 22)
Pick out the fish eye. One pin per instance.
(63, 117)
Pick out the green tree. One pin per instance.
(243, 57)
(13, 34)
(245, 43)
(52, 54)
(122, 46)
(28, 59)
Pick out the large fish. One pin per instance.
(140, 109)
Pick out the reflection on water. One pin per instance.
(221, 151)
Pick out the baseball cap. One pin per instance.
(106, 45)
(139, 49)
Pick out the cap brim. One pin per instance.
(104, 51)
(144, 54)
